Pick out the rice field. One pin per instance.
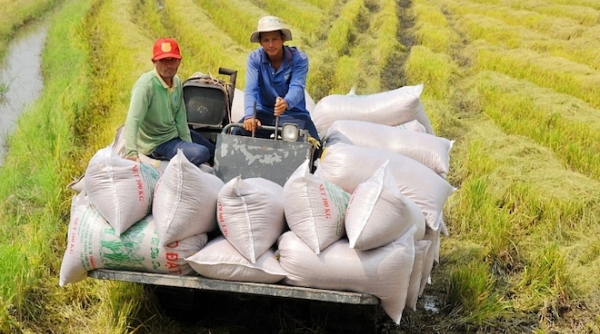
(516, 85)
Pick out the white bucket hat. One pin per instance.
(270, 23)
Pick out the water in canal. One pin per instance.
(21, 78)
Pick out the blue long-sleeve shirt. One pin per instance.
(264, 84)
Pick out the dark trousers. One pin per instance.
(199, 151)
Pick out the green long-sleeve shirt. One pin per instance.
(156, 114)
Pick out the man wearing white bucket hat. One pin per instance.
(275, 81)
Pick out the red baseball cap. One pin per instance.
(165, 48)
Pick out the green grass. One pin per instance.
(432, 30)
(34, 202)
(305, 17)
(559, 122)
(220, 13)
(472, 294)
(17, 13)
(434, 70)
(342, 31)
(208, 47)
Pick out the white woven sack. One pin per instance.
(383, 272)
(413, 125)
(220, 260)
(443, 228)
(310, 102)
(185, 201)
(121, 189)
(348, 166)
(414, 287)
(237, 105)
(93, 244)
(378, 213)
(431, 257)
(430, 150)
(77, 185)
(314, 208)
(118, 146)
(391, 107)
(250, 215)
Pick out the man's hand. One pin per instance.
(250, 124)
(133, 158)
(280, 106)
(315, 143)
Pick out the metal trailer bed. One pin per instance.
(202, 283)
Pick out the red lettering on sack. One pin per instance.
(73, 235)
(327, 213)
(174, 268)
(172, 265)
(172, 256)
(174, 244)
(138, 182)
(322, 189)
(220, 211)
(221, 218)
(224, 230)
(325, 200)
(72, 246)
(92, 262)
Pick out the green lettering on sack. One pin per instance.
(123, 253)
(154, 252)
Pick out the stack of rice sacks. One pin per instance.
(133, 216)
(381, 151)
(368, 220)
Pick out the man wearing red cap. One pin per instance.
(156, 123)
